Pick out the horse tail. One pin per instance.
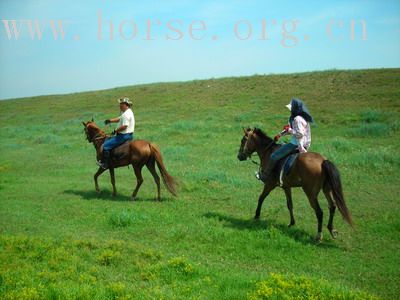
(168, 180)
(333, 179)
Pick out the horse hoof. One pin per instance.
(133, 198)
(257, 218)
(291, 224)
(318, 237)
(334, 233)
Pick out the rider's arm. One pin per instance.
(121, 128)
(114, 120)
(285, 130)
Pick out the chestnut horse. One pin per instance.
(311, 171)
(137, 153)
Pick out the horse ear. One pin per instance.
(84, 124)
(244, 130)
(92, 119)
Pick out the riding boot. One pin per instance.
(105, 160)
(268, 172)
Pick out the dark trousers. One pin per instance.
(283, 151)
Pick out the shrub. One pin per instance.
(180, 265)
(26, 293)
(108, 257)
(369, 130)
(121, 219)
(116, 290)
(371, 116)
(278, 286)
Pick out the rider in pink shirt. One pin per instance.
(299, 129)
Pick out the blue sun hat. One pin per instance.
(298, 108)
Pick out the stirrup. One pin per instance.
(260, 176)
(102, 165)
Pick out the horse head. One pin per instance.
(247, 145)
(92, 131)
(251, 141)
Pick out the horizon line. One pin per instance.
(197, 79)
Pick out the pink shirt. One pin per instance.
(301, 133)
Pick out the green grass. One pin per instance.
(59, 239)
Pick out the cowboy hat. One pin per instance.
(125, 100)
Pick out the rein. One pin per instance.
(99, 136)
(255, 162)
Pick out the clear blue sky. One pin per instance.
(81, 62)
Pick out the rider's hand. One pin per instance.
(277, 137)
(114, 132)
(302, 149)
(286, 127)
(108, 121)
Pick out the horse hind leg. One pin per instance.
(139, 180)
(288, 193)
(332, 207)
(151, 165)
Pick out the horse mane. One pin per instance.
(93, 127)
(264, 138)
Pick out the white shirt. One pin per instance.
(301, 133)
(128, 119)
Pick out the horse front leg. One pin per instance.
(267, 189)
(98, 173)
(112, 175)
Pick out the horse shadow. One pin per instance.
(107, 196)
(93, 195)
(297, 234)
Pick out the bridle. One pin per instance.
(249, 155)
(97, 136)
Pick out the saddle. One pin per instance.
(120, 151)
(285, 165)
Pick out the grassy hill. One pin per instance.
(59, 239)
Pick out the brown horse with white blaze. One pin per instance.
(311, 171)
(138, 153)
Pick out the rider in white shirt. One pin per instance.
(123, 132)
